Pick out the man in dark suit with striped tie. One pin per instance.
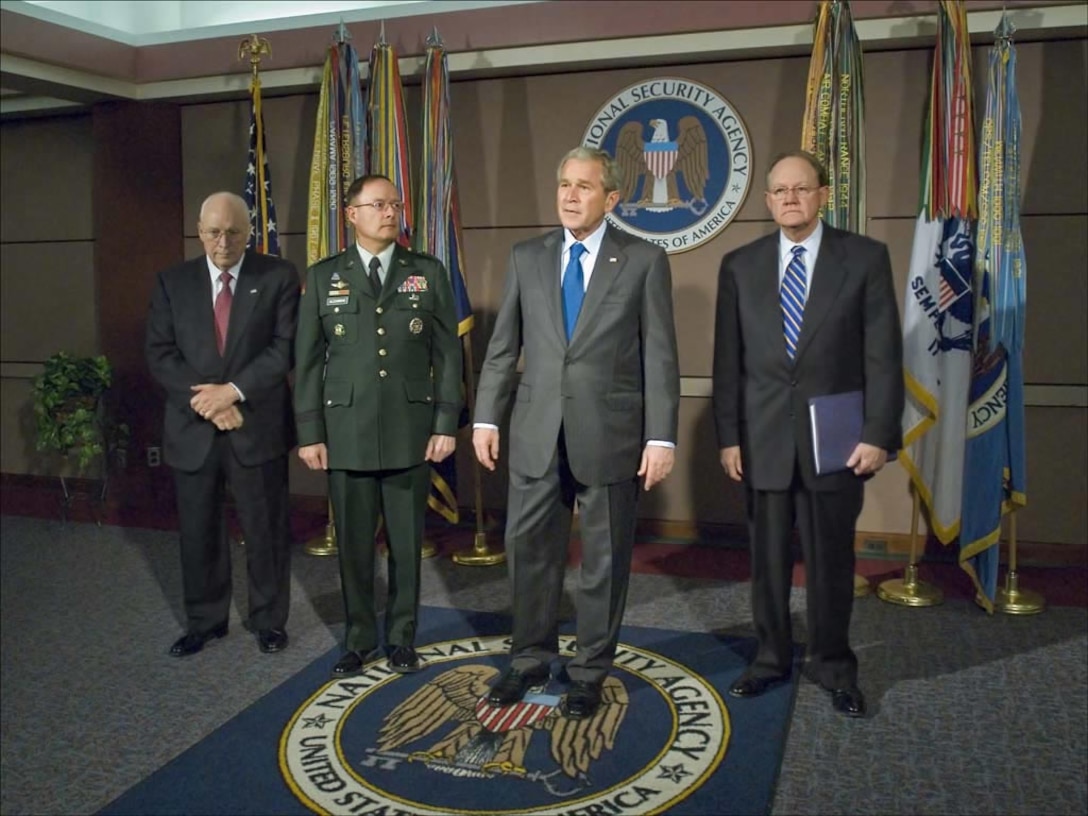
(220, 337)
(804, 312)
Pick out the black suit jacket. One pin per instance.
(181, 352)
(850, 340)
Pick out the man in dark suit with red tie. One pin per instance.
(220, 337)
(804, 312)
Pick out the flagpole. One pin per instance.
(480, 555)
(1011, 599)
(325, 545)
(908, 590)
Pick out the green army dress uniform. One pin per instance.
(376, 374)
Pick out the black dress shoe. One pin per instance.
(512, 685)
(749, 686)
(849, 701)
(272, 640)
(404, 660)
(582, 700)
(349, 664)
(192, 642)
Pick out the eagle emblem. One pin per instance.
(650, 168)
(450, 727)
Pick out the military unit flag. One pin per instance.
(439, 233)
(389, 130)
(339, 155)
(833, 129)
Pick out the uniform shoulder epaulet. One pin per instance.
(328, 259)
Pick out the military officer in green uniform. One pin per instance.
(377, 397)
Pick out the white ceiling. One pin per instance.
(140, 23)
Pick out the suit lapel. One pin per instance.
(247, 290)
(827, 280)
(203, 294)
(765, 293)
(548, 278)
(610, 260)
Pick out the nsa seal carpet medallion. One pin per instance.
(664, 740)
(370, 742)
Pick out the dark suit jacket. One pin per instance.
(181, 353)
(850, 340)
(377, 375)
(615, 386)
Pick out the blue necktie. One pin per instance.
(792, 297)
(574, 289)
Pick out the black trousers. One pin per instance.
(825, 521)
(261, 496)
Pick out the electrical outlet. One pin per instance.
(154, 456)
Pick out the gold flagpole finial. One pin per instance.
(434, 39)
(254, 48)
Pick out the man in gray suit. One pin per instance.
(590, 307)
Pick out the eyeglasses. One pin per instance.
(214, 235)
(380, 206)
(802, 191)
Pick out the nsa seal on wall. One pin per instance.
(685, 156)
(382, 743)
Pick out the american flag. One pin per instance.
(258, 194)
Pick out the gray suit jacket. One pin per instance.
(615, 386)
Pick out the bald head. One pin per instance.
(224, 228)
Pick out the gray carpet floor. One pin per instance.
(968, 714)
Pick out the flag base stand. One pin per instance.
(323, 545)
(1011, 600)
(429, 549)
(479, 555)
(862, 587)
(909, 591)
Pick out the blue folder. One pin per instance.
(837, 421)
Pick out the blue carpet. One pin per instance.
(667, 739)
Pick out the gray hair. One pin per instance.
(610, 170)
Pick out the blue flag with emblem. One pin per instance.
(994, 459)
(258, 192)
(439, 234)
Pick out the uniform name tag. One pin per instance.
(337, 301)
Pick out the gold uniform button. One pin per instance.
(328, 402)
(428, 399)
(379, 310)
(383, 373)
(382, 352)
(381, 331)
(415, 305)
(336, 309)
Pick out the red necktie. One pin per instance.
(222, 312)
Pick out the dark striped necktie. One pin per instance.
(792, 298)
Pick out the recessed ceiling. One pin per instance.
(140, 23)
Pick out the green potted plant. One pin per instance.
(68, 411)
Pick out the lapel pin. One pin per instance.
(611, 260)
(253, 291)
